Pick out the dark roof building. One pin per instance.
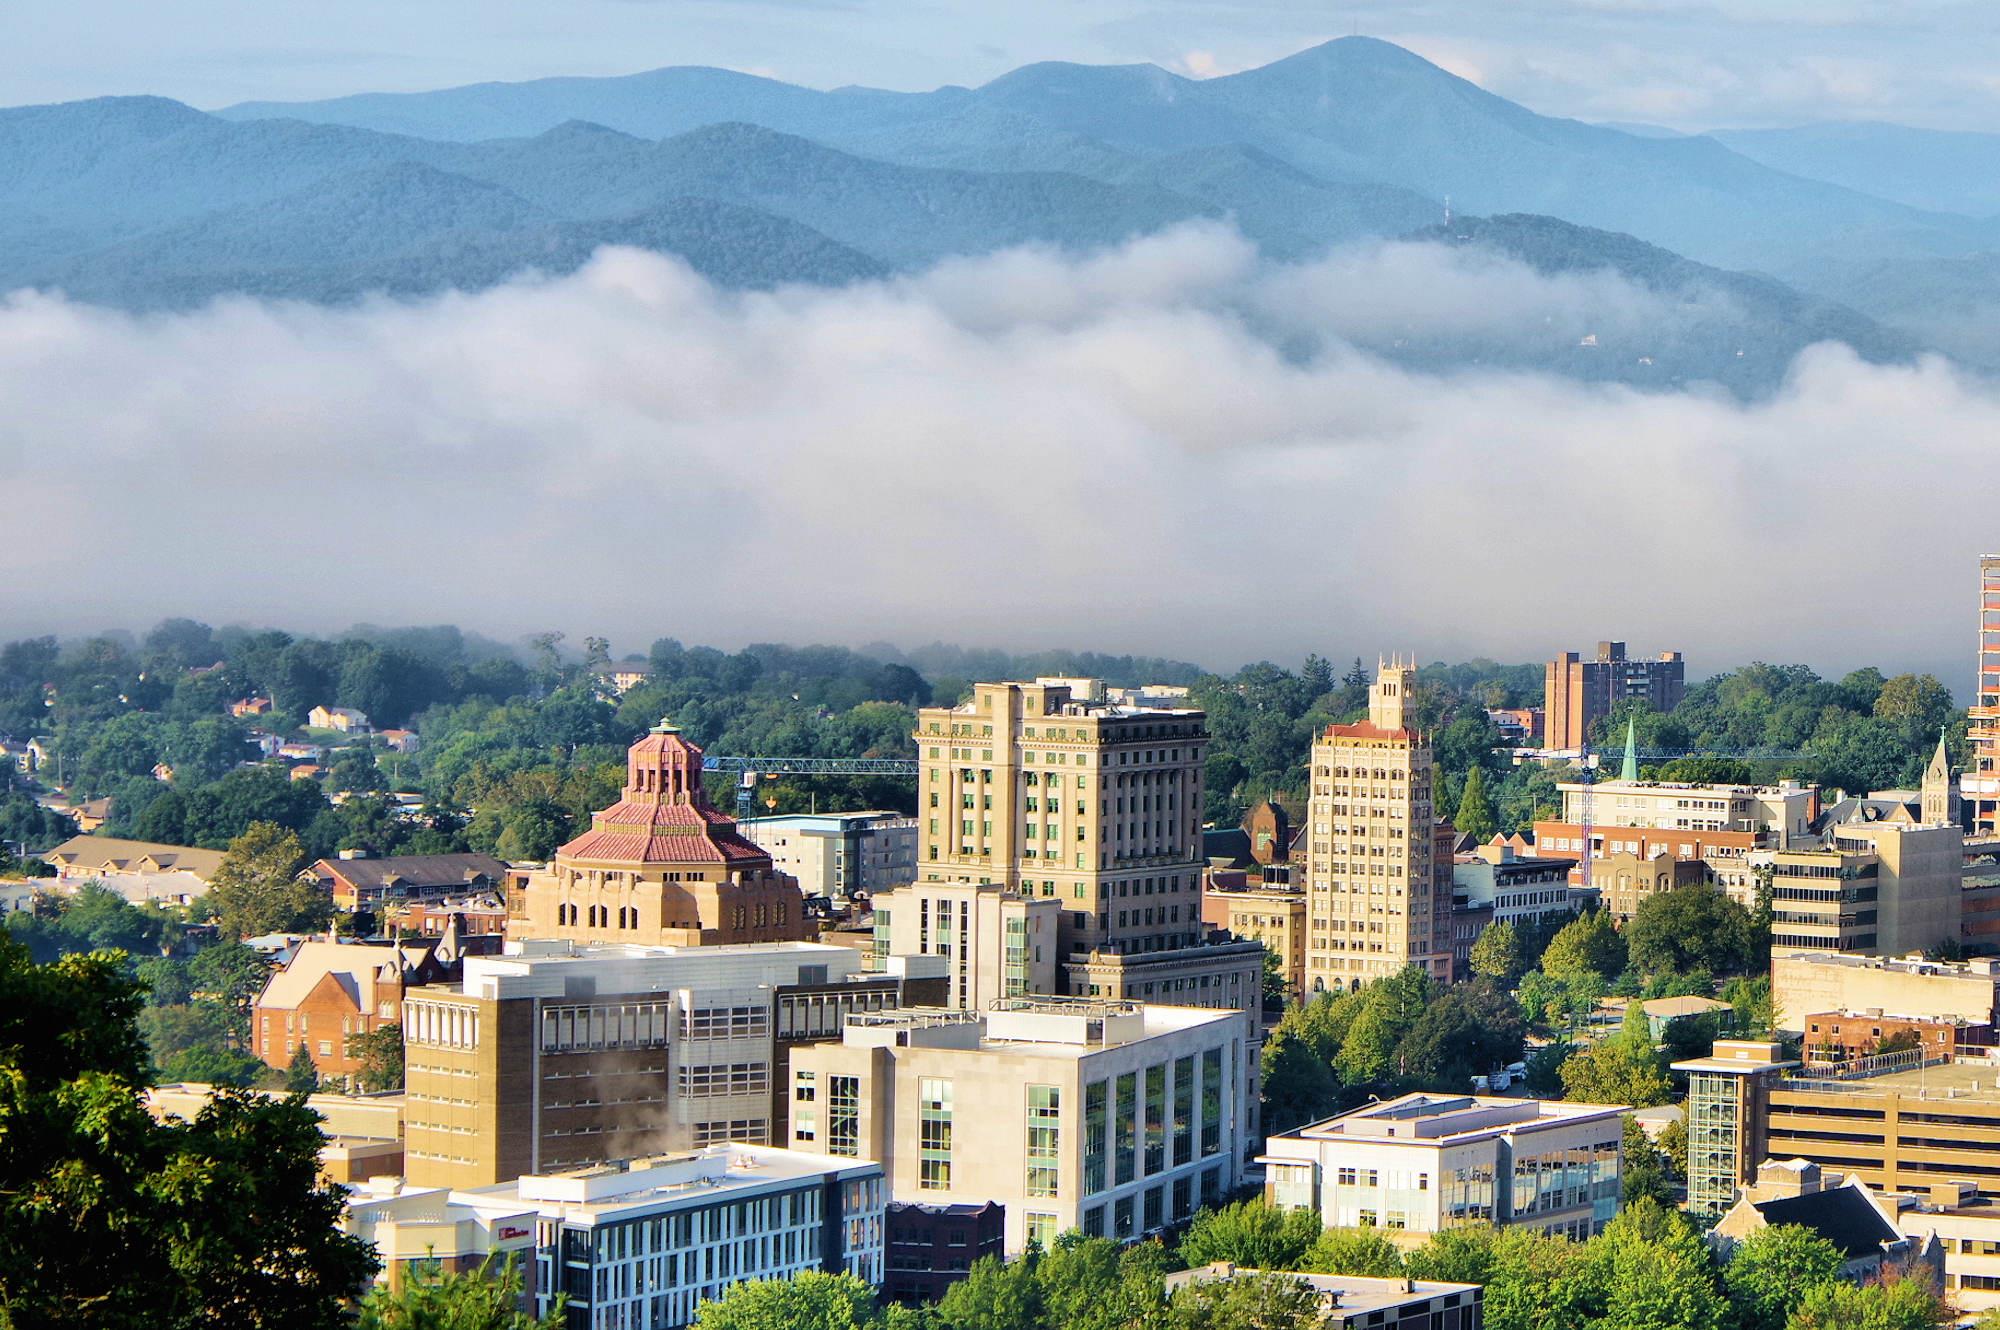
(359, 884)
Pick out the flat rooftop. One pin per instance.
(1434, 1119)
(1351, 1295)
(1051, 1027)
(1971, 1081)
(606, 1191)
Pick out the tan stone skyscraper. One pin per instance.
(1051, 792)
(1372, 880)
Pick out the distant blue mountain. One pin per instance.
(146, 203)
(1355, 110)
(1949, 171)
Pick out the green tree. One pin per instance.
(1298, 1084)
(1455, 1256)
(256, 889)
(1474, 815)
(1695, 927)
(380, 1054)
(114, 1221)
(302, 1077)
(1894, 1303)
(1496, 953)
(814, 1300)
(1353, 1251)
(1916, 707)
(1617, 1071)
(1263, 1301)
(995, 1295)
(1250, 1233)
(436, 1299)
(1643, 1171)
(1771, 1272)
(1674, 1145)
(1588, 944)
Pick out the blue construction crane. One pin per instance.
(750, 769)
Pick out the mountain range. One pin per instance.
(146, 203)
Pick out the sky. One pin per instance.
(1025, 450)
(1686, 65)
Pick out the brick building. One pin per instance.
(1577, 693)
(931, 1247)
(330, 990)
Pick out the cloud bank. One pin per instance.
(1170, 447)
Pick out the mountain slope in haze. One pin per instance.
(410, 230)
(1354, 110)
(1943, 170)
(1702, 324)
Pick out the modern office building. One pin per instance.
(1981, 782)
(1899, 1122)
(1727, 1097)
(1577, 693)
(1966, 1226)
(1357, 1302)
(1425, 1162)
(418, 1229)
(640, 1244)
(1115, 1118)
(839, 855)
(661, 867)
(1378, 893)
(1873, 887)
(995, 942)
(1044, 790)
(556, 1055)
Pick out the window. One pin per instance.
(1156, 1121)
(1183, 1111)
(934, 1135)
(1042, 1229)
(1093, 1137)
(843, 1116)
(803, 1086)
(1124, 1130)
(1211, 1102)
(1044, 1139)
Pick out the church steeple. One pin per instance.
(1940, 791)
(1630, 770)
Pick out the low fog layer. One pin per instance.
(1171, 448)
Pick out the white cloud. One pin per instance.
(1023, 449)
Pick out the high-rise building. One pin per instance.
(558, 1055)
(1116, 1118)
(1880, 887)
(659, 867)
(1378, 898)
(1577, 693)
(1040, 789)
(1981, 783)
(1426, 1162)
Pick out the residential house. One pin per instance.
(137, 870)
(344, 719)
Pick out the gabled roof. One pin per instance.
(413, 870)
(354, 966)
(1842, 1215)
(110, 854)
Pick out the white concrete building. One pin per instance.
(640, 1244)
(1425, 1162)
(995, 942)
(839, 855)
(1115, 1118)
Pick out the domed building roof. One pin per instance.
(663, 815)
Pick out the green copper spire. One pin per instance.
(1630, 771)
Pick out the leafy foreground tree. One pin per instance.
(1264, 1301)
(1774, 1270)
(434, 1299)
(1496, 954)
(112, 1221)
(811, 1301)
(1895, 1303)
(1250, 1233)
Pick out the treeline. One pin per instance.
(1650, 1269)
(520, 742)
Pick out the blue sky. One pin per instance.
(1688, 65)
